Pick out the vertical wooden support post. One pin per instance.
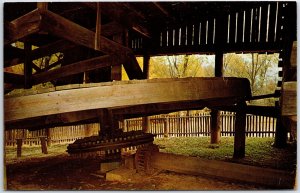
(146, 124)
(19, 147)
(240, 131)
(166, 127)
(43, 145)
(27, 66)
(48, 133)
(106, 122)
(281, 132)
(116, 70)
(125, 125)
(98, 27)
(146, 120)
(215, 129)
(146, 60)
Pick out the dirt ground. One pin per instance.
(62, 172)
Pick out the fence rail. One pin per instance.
(162, 125)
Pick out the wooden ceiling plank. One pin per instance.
(116, 95)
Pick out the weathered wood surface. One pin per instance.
(289, 99)
(243, 173)
(124, 94)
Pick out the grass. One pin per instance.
(31, 152)
(259, 151)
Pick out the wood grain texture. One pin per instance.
(122, 94)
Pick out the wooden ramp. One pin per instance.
(81, 102)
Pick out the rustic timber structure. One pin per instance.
(95, 39)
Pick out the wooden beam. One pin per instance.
(116, 94)
(220, 169)
(64, 28)
(130, 20)
(23, 26)
(15, 79)
(98, 27)
(75, 68)
(161, 9)
(79, 35)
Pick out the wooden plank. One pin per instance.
(289, 99)
(115, 94)
(226, 170)
(23, 26)
(75, 68)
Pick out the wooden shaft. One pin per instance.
(215, 127)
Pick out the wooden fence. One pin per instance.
(161, 125)
(199, 125)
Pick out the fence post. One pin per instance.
(146, 124)
(43, 145)
(166, 127)
(215, 128)
(19, 147)
(240, 130)
(48, 133)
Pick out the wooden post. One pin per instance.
(116, 70)
(124, 125)
(240, 131)
(146, 124)
(27, 66)
(215, 129)
(281, 132)
(43, 145)
(166, 127)
(98, 27)
(48, 133)
(106, 122)
(19, 147)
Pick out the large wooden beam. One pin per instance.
(75, 68)
(226, 170)
(123, 94)
(27, 66)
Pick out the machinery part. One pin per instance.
(109, 147)
(143, 158)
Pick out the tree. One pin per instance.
(260, 69)
(181, 66)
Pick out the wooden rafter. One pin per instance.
(22, 26)
(75, 68)
(115, 12)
